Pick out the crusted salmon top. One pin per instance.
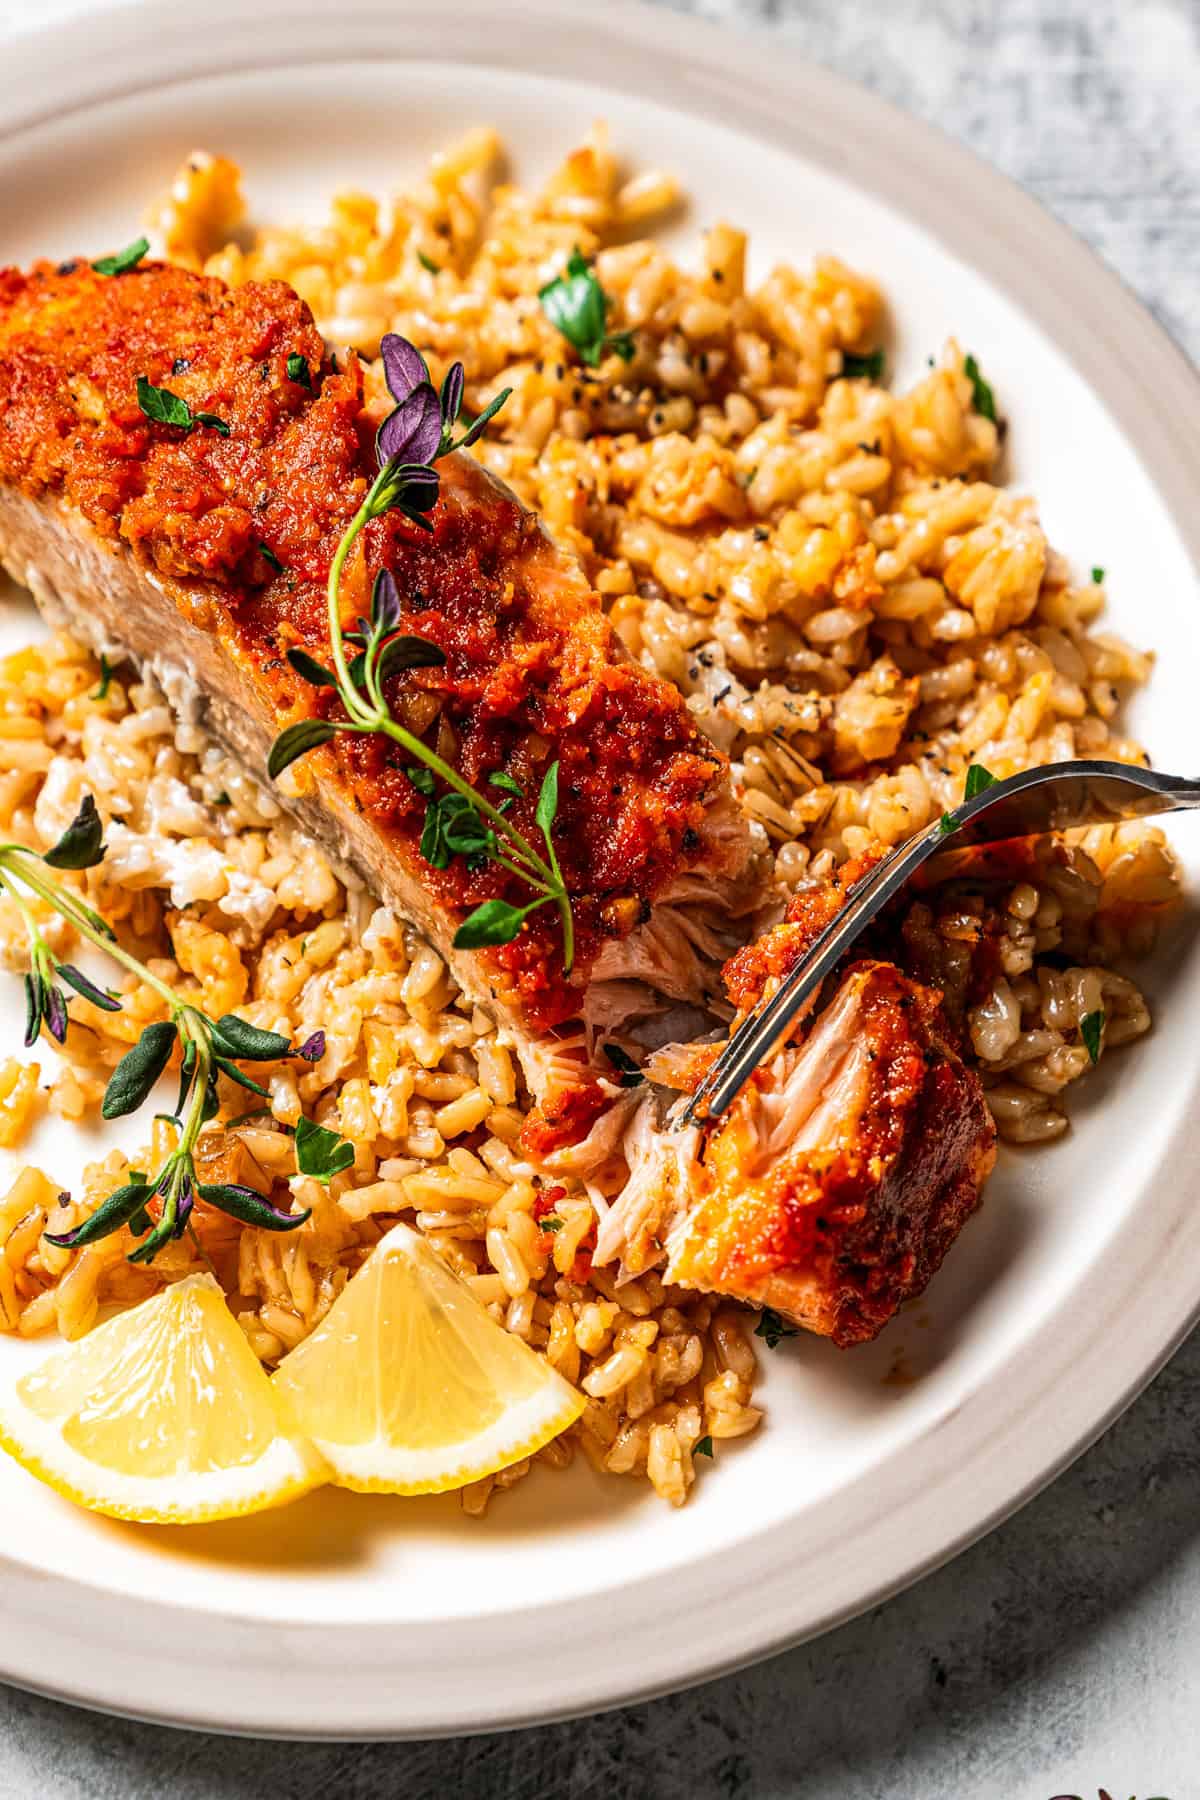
(833, 1189)
(242, 528)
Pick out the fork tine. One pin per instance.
(753, 1040)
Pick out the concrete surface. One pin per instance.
(1061, 1655)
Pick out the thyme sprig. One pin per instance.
(209, 1047)
(463, 821)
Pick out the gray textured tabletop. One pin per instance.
(1062, 1654)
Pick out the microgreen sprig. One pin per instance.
(465, 821)
(209, 1047)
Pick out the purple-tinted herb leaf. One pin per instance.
(404, 368)
(452, 394)
(385, 603)
(248, 1206)
(413, 432)
(79, 981)
(56, 1014)
(313, 1048)
(34, 1004)
(121, 1206)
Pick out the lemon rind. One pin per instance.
(381, 1467)
(286, 1470)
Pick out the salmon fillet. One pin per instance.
(204, 554)
(843, 1171)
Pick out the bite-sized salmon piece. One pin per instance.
(844, 1169)
(205, 553)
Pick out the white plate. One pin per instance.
(347, 1616)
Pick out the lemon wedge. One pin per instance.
(163, 1414)
(408, 1386)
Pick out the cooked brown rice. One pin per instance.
(854, 610)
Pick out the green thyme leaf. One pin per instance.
(240, 1077)
(863, 368)
(123, 260)
(408, 653)
(138, 1070)
(421, 778)
(1091, 1030)
(81, 845)
(979, 780)
(547, 806)
(494, 922)
(704, 1448)
(249, 1042)
(299, 371)
(108, 1217)
(772, 1328)
(428, 263)
(1098, 575)
(311, 670)
(479, 425)
(187, 1068)
(506, 783)
(165, 408)
(551, 1223)
(628, 1071)
(296, 741)
(321, 1153)
(982, 395)
(269, 556)
(106, 675)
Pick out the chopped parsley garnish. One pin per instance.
(628, 1073)
(863, 368)
(1091, 1030)
(979, 780)
(123, 260)
(321, 1153)
(982, 395)
(772, 1328)
(106, 675)
(577, 305)
(299, 371)
(1097, 575)
(704, 1447)
(428, 263)
(551, 1223)
(165, 408)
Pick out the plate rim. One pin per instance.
(771, 91)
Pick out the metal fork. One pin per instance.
(1037, 801)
